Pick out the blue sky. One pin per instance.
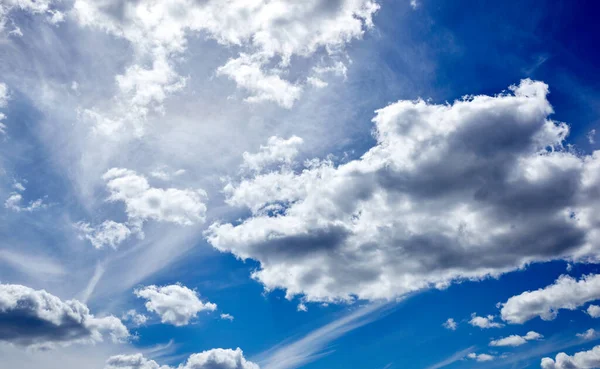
(325, 184)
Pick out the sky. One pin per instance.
(276, 184)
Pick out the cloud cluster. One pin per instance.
(484, 322)
(581, 360)
(450, 324)
(267, 35)
(457, 191)
(588, 335)
(175, 304)
(36, 318)
(211, 359)
(515, 340)
(566, 293)
(480, 357)
(593, 311)
(14, 201)
(142, 203)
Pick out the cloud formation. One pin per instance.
(175, 304)
(450, 324)
(480, 357)
(515, 340)
(36, 318)
(484, 322)
(566, 293)
(581, 360)
(211, 359)
(450, 192)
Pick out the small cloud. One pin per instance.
(588, 335)
(227, 317)
(414, 4)
(480, 357)
(515, 340)
(594, 311)
(591, 136)
(302, 307)
(484, 322)
(450, 324)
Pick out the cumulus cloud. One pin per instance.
(135, 318)
(143, 202)
(15, 202)
(277, 151)
(484, 322)
(591, 136)
(593, 311)
(109, 233)
(515, 340)
(36, 318)
(449, 192)
(565, 293)
(581, 360)
(588, 335)
(267, 34)
(450, 324)
(480, 357)
(175, 304)
(211, 359)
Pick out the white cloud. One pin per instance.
(593, 311)
(175, 304)
(581, 360)
(109, 233)
(277, 151)
(3, 93)
(484, 322)
(36, 7)
(143, 202)
(134, 317)
(14, 202)
(565, 293)
(515, 340)
(591, 136)
(450, 324)
(227, 317)
(211, 359)
(302, 307)
(36, 318)
(588, 335)
(480, 357)
(268, 34)
(449, 192)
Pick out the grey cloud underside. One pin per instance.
(468, 190)
(37, 318)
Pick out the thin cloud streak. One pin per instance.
(315, 344)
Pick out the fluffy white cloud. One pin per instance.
(480, 357)
(449, 192)
(175, 304)
(267, 34)
(36, 318)
(581, 360)
(134, 317)
(211, 359)
(565, 293)
(15, 200)
(515, 340)
(143, 202)
(450, 324)
(593, 311)
(109, 233)
(484, 322)
(588, 335)
(276, 151)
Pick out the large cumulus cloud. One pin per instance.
(456, 191)
(35, 318)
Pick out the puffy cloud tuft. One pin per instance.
(515, 340)
(175, 304)
(484, 322)
(211, 359)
